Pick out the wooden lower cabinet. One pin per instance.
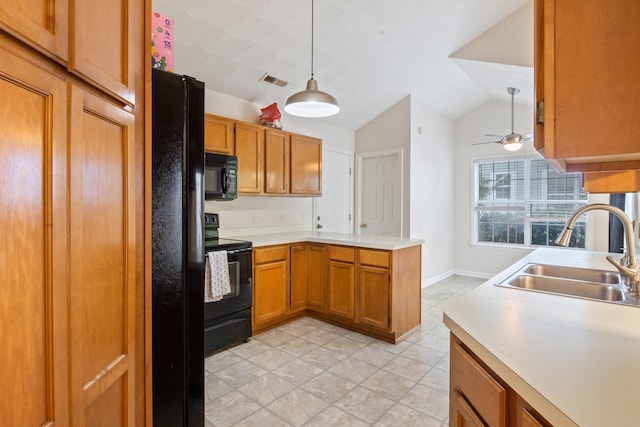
(270, 286)
(479, 397)
(375, 292)
(307, 278)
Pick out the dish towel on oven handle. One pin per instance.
(216, 276)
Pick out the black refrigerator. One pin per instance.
(177, 235)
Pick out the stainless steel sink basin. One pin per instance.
(586, 274)
(599, 285)
(575, 288)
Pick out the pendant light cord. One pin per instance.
(311, 39)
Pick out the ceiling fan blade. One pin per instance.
(488, 142)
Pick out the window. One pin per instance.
(526, 202)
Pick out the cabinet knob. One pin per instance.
(318, 225)
(363, 225)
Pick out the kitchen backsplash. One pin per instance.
(262, 215)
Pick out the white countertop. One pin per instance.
(359, 240)
(576, 361)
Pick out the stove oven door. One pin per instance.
(240, 296)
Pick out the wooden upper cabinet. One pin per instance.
(43, 25)
(249, 141)
(587, 63)
(306, 165)
(276, 157)
(611, 182)
(218, 135)
(101, 51)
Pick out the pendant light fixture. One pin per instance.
(311, 102)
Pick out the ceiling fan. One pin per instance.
(512, 141)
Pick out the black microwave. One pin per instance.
(220, 177)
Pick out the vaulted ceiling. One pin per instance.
(453, 55)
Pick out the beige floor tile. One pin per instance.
(263, 418)
(221, 360)
(403, 416)
(298, 346)
(317, 374)
(437, 379)
(251, 348)
(297, 407)
(240, 374)
(214, 387)
(271, 359)
(229, 409)
(353, 370)
(364, 404)
(374, 355)
(388, 384)
(267, 388)
(335, 417)
(422, 354)
(407, 368)
(323, 358)
(298, 372)
(328, 387)
(428, 401)
(345, 345)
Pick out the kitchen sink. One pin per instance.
(599, 285)
(574, 273)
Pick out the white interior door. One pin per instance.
(380, 195)
(333, 211)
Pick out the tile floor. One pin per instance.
(310, 373)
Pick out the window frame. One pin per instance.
(528, 220)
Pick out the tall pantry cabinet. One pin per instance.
(72, 212)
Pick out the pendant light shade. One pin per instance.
(311, 102)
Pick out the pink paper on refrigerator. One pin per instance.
(161, 42)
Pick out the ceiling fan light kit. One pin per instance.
(512, 141)
(311, 102)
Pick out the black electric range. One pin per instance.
(228, 321)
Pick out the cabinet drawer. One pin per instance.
(375, 258)
(340, 253)
(479, 388)
(269, 254)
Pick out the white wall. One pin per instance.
(257, 214)
(495, 117)
(432, 188)
(428, 160)
(390, 130)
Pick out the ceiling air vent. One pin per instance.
(272, 80)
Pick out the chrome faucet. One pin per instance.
(628, 265)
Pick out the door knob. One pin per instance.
(363, 225)
(318, 225)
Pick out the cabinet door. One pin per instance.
(373, 296)
(276, 153)
(480, 389)
(299, 277)
(316, 294)
(341, 289)
(306, 165)
(250, 153)
(42, 24)
(462, 413)
(102, 300)
(271, 296)
(34, 254)
(589, 88)
(105, 47)
(218, 135)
